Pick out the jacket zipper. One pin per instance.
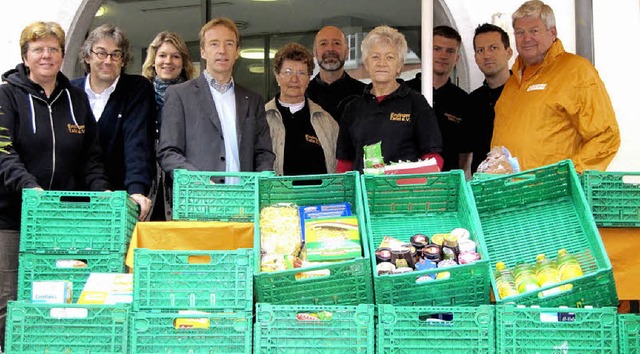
(53, 137)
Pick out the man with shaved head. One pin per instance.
(332, 88)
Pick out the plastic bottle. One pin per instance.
(547, 274)
(525, 277)
(504, 281)
(569, 267)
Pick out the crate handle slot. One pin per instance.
(314, 316)
(631, 179)
(553, 317)
(524, 178)
(436, 317)
(411, 181)
(306, 183)
(75, 199)
(421, 281)
(315, 274)
(199, 259)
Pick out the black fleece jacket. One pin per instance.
(54, 143)
(126, 129)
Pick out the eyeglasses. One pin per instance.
(115, 56)
(288, 73)
(41, 50)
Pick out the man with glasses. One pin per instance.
(554, 106)
(332, 88)
(124, 106)
(211, 123)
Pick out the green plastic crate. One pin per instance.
(552, 330)
(629, 331)
(542, 211)
(349, 282)
(193, 280)
(156, 332)
(437, 203)
(203, 195)
(614, 197)
(67, 328)
(76, 222)
(42, 267)
(435, 329)
(306, 329)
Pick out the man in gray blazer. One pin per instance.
(210, 123)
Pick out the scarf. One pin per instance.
(160, 87)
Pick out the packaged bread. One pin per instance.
(499, 161)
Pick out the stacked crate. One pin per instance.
(401, 206)
(196, 301)
(614, 197)
(67, 236)
(346, 282)
(541, 211)
(614, 200)
(192, 301)
(435, 329)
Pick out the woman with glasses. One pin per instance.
(303, 135)
(52, 136)
(168, 63)
(389, 111)
(124, 107)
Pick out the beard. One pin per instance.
(331, 61)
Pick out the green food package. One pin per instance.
(373, 160)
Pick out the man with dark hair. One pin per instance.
(124, 106)
(450, 102)
(492, 54)
(332, 88)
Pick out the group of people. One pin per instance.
(110, 130)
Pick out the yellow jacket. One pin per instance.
(561, 111)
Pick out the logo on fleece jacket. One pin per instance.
(75, 129)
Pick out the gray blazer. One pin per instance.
(191, 135)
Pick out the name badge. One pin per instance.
(537, 87)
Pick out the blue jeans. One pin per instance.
(9, 250)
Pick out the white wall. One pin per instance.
(12, 23)
(616, 27)
(616, 30)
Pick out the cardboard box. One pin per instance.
(107, 289)
(52, 292)
(331, 239)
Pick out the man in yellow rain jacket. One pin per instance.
(555, 105)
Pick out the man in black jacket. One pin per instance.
(124, 106)
(492, 54)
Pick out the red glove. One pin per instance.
(344, 166)
(435, 155)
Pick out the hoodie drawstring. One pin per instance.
(33, 114)
(73, 115)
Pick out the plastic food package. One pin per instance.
(499, 161)
(373, 159)
(280, 235)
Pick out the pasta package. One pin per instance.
(280, 235)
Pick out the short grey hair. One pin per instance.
(388, 35)
(535, 8)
